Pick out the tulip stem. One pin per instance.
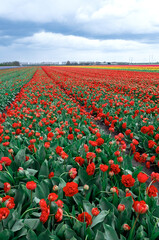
(149, 186)
(31, 196)
(139, 191)
(9, 173)
(63, 174)
(132, 230)
(28, 210)
(70, 216)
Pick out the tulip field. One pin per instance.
(62, 176)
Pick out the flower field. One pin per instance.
(61, 176)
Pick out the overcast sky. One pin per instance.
(76, 30)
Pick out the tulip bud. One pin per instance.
(126, 227)
(113, 190)
(111, 173)
(121, 207)
(55, 188)
(111, 162)
(86, 187)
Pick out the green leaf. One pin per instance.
(128, 202)
(44, 170)
(99, 218)
(99, 236)
(84, 177)
(20, 157)
(44, 235)
(155, 213)
(39, 193)
(5, 234)
(105, 205)
(41, 154)
(69, 233)
(110, 233)
(87, 206)
(32, 223)
(31, 235)
(60, 231)
(78, 198)
(18, 225)
(155, 236)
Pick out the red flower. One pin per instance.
(151, 144)
(6, 160)
(80, 160)
(4, 212)
(51, 174)
(59, 150)
(7, 187)
(157, 137)
(103, 167)
(124, 125)
(93, 143)
(100, 141)
(152, 191)
(47, 144)
(143, 157)
(135, 142)
(70, 189)
(95, 211)
(115, 168)
(64, 155)
(70, 137)
(90, 169)
(157, 150)
(10, 203)
(86, 148)
(52, 197)
(127, 180)
(42, 204)
(85, 217)
(117, 153)
(155, 177)
(44, 215)
(59, 215)
(127, 132)
(142, 177)
(137, 156)
(45, 211)
(50, 135)
(31, 185)
(90, 156)
(72, 173)
(144, 129)
(140, 207)
(59, 203)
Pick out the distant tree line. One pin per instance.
(14, 63)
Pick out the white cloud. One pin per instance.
(47, 46)
(91, 16)
(51, 40)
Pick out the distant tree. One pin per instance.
(68, 63)
(14, 63)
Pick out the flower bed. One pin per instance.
(126, 101)
(11, 82)
(62, 178)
